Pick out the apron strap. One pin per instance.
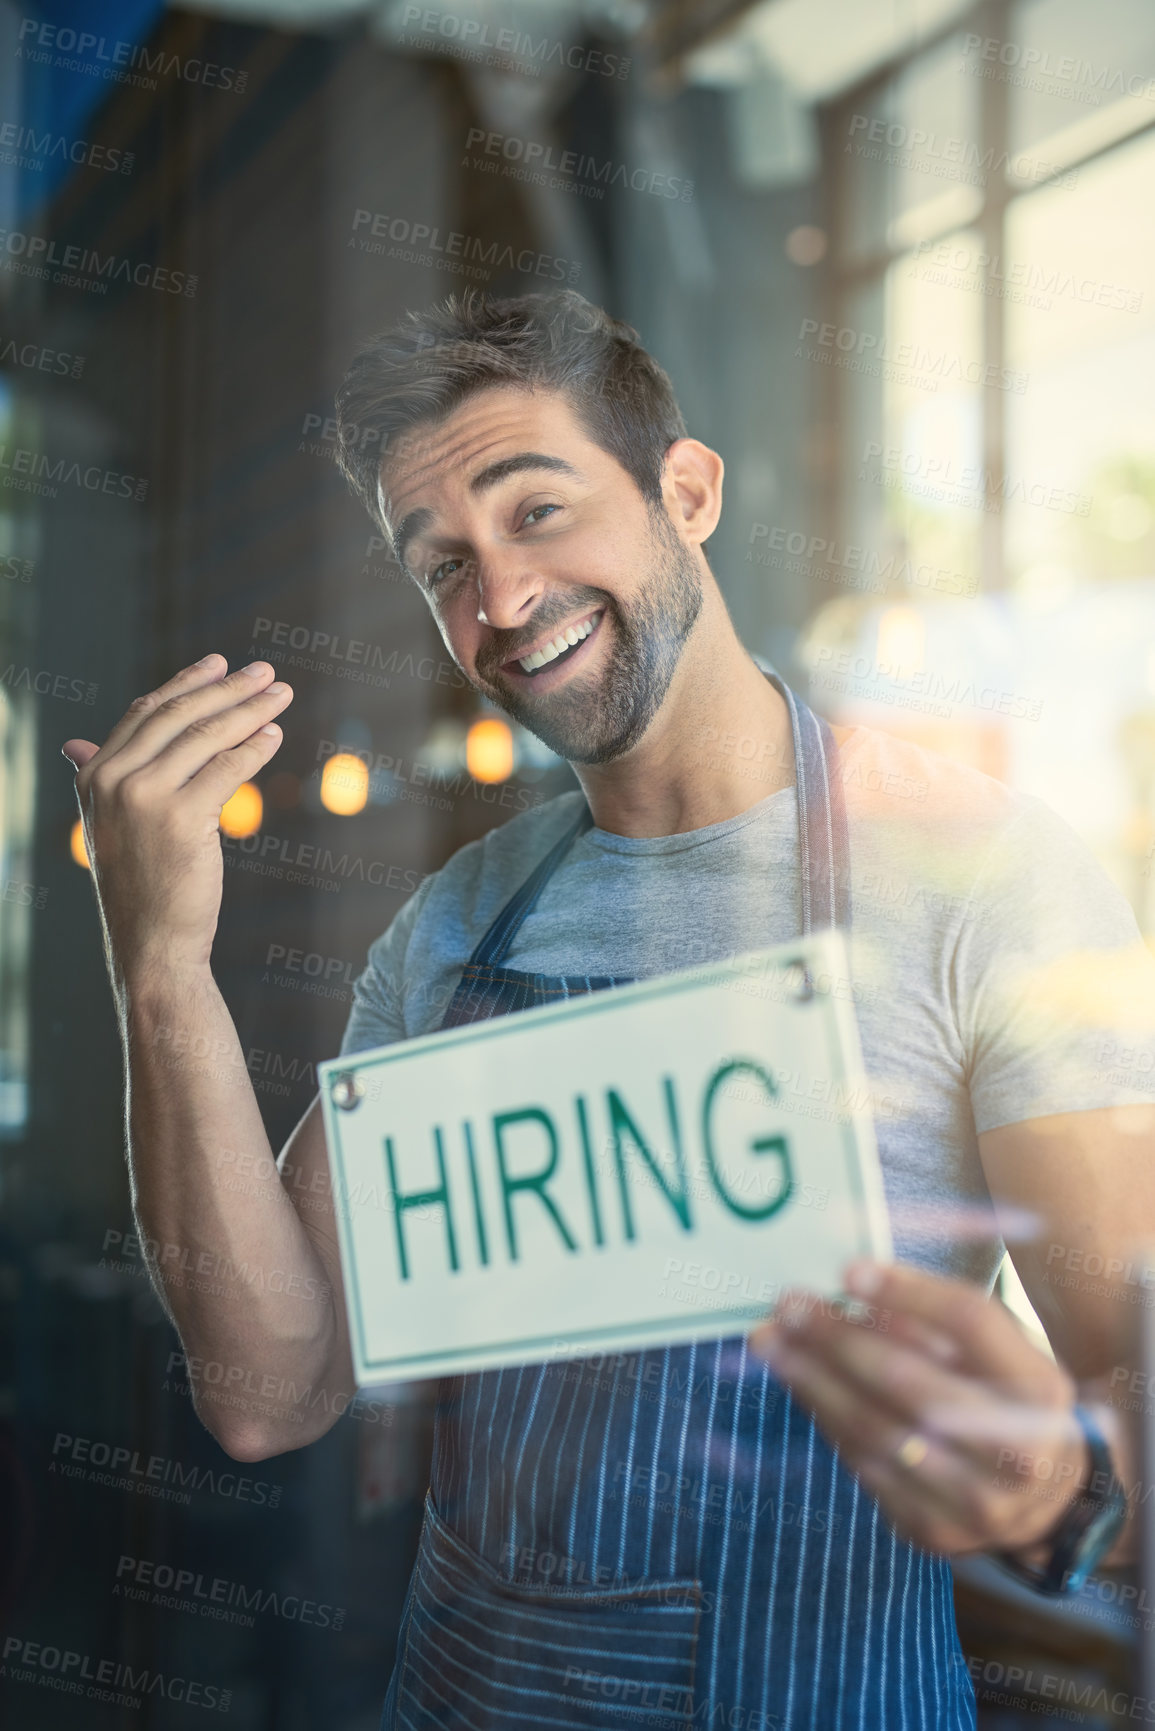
(494, 946)
(823, 841)
(823, 845)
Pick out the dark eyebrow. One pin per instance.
(418, 521)
(516, 465)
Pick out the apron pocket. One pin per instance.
(479, 1651)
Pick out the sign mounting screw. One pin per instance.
(800, 983)
(347, 1092)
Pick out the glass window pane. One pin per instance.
(913, 159)
(1067, 64)
(1083, 330)
(912, 441)
(932, 414)
(1080, 513)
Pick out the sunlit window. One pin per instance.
(996, 474)
(997, 464)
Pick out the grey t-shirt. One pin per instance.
(994, 965)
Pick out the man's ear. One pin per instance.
(692, 488)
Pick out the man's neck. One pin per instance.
(719, 743)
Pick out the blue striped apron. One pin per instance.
(663, 1539)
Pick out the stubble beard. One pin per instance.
(598, 718)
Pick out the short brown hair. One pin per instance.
(424, 367)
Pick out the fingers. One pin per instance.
(221, 777)
(844, 1371)
(844, 1366)
(932, 1505)
(987, 1337)
(78, 751)
(210, 735)
(875, 1396)
(192, 711)
(208, 671)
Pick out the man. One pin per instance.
(670, 1537)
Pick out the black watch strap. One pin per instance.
(1088, 1526)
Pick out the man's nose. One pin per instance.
(508, 590)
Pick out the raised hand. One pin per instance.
(150, 800)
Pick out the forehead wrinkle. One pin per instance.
(477, 442)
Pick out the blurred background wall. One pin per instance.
(899, 261)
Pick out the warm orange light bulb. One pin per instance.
(489, 750)
(76, 845)
(345, 785)
(241, 815)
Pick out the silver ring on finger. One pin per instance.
(912, 1451)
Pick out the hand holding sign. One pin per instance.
(959, 1426)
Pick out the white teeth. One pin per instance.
(550, 651)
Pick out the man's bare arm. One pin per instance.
(252, 1284)
(1088, 1178)
(247, 1268)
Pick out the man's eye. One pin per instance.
(531, 514)
(445, 569)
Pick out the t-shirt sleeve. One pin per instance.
(378, 1014)
(1054, 986)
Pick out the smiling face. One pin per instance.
(563, 595)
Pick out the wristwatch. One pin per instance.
(1088, 1528)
